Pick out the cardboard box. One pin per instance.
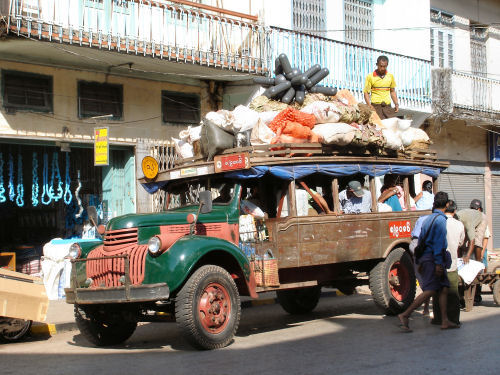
(22, 296)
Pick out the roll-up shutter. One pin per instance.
(462, 188)
(495, 203)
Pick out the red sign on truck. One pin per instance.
(231, 162)
(399, 229)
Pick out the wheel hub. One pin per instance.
(214, 308)
(399, 281)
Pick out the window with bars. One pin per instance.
(440, 49)
(180, 107)
(28, 91)
(358, 22)
(100, 99)
(309, 16)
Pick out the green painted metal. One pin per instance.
(176, 264)
(145, 233)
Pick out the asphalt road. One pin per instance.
(344, 335)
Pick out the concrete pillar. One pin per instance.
(488, 201)
(143, 198)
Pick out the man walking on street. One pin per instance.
(380, 88)
(432, 264)
(455, 237)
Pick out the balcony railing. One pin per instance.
(157, 28)
(349, 65)
(476, 93)
(167, 30)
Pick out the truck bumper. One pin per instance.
(122, 294)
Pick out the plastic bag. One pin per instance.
(194, 133)
(214, 140)
(261, 134)
(324, 112)
(339, 134)
(244, 119)
(183, 149)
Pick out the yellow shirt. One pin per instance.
(380, 88)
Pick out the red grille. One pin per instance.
(107, 272)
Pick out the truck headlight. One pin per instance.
(75, 251)
(154, 245)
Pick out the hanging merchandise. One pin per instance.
(2, 189)
(20, 186)
(67, 183)
(12, 190)
(80, 211)
(56, 175)
(45, 177)
(34, 186)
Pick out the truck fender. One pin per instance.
(176, 264)
(402, 242)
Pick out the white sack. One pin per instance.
(223, 119)
(244, 119)
(56, 269)
(469, 271)
(184, 149)
(391, 123)
(250, 208)
(261, 134)
(404, 124)
(413, 134)
(393, 139)
(194, 133)
(339, 134)
(268, 117)
(324, 112)
(247, 228)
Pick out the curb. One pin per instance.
(51, 329)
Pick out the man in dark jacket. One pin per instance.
(432, 264)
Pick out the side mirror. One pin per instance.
(92, 213)
(205, 202)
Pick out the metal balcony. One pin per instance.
(159, 29)
(473, 92)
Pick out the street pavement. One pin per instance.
(344, 335)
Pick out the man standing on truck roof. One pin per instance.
(432, 264)
(380, 87)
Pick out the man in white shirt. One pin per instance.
(455, 237)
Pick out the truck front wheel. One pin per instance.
(208, 309)
(299, 301)
(101, 327)
(392, 282)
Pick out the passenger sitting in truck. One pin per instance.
(425, 199)
(354, 199)
(252, 204)
(391, 193)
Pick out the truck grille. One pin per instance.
(107, 272)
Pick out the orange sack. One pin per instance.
(294, 115)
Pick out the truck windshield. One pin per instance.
(186, 193)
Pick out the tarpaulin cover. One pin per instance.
(290, 172)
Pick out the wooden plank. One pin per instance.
(406, 189)
(302, 284)
(373, 193)
(335, 194)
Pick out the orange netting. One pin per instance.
(293, 115)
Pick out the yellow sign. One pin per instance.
(149, 167)
(101, 146)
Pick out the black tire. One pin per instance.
(496, 292)
(208, 308)
(299, 301)
(393, 299)
(20, 333)
(100, 328)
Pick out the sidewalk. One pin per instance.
(60, 315)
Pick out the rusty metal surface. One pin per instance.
(328, 239)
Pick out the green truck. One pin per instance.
(192, 262)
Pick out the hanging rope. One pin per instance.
(12, 190)
(35, 189)
(45, 177)
(56, 175)
(2, 189)
(67, 183)
(80, 210)
(20, 186)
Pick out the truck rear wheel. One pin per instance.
(496, 292)
(208, 308)
(18, 329)
(392, 282)
(102, 329)
(299, 301)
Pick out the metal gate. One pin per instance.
(462, 188)
(495, 204)
(164, 153)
